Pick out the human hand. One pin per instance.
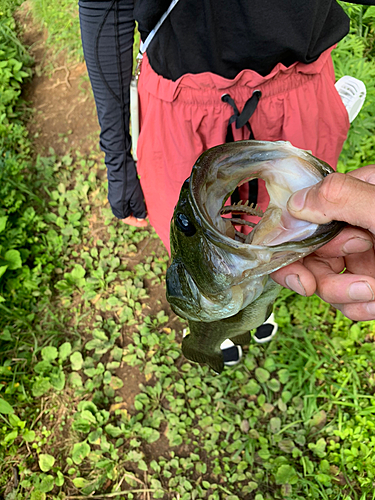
(350, 198)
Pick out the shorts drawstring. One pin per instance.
(242, 120)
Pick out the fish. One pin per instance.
(219, 279)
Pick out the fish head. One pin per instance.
(215, 273)
(195, 254)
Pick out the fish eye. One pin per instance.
(184, 225)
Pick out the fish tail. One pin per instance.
(213, 359)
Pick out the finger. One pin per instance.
(133, 221)
(366, 174)
(358, 312)
(337, 197)
(296, 277)
(351, 240)
(363, 263)
(337, 288)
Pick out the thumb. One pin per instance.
(338, 197)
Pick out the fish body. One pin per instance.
(219, 279)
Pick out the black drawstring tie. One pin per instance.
(242, 120)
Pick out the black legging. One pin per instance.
(107, 31)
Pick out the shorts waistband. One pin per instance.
(206, 87)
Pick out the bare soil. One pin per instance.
(64, 115)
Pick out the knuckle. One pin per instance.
(334, 188)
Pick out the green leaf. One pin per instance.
(262, 375)
(37, 495)
(11, 436)
(3, 222)
(269, 364)
(142, 465)
(2, 271)
(78, 272)
(283, 375)
(80, 482)
(116, 383)
(318, 420)
(5, 407)
(75, 380)
(274, 385)
(57, 378)
(16, 422)
(43, 367)
(80, 452)
(113, 431)
(286, 474)
(324, 479)
(40, 386)
(46, 462)
(261, 399)
(318, 448)
(275, 424)
(49, 353)
(94, 436)
(13, 257)
(286, 445)
(47, 484)
(28, 436)
(59, 481)
(149, 434)
(76, 360)
(65, 351)
(252, 388)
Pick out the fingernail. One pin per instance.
(371, 308)
(361, 291)
(294, 283)
(356, 245)
(297, 201)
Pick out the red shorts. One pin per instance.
(179, 120)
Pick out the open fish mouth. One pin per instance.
(217, 270)
(285, 170)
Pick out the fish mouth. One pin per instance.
(182, 292)
(187, 300)
(285, 170)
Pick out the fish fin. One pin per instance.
(242, 339)
(213, 360)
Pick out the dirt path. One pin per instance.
(64, 118)
(64, 110)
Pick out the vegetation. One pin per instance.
(96, 400)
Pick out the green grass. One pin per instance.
(61, 21)
(295, 420)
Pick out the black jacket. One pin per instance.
(225, 37)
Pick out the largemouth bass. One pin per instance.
(219, 279)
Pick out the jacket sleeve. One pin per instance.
(107, 32)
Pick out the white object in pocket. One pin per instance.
(353, 94)
(134, 115)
